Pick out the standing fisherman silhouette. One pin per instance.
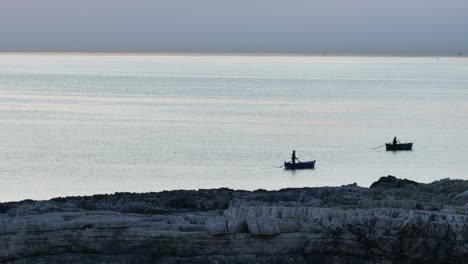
(293, 165)
(394, 141)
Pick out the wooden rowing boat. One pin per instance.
(299, 165)
(400, 146)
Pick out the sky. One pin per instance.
(238, 26)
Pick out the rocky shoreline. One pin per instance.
(393, 221)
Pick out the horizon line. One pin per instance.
(227, 54)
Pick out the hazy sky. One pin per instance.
(309, 26)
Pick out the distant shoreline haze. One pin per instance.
(361, 27)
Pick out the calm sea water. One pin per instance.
(86, 124)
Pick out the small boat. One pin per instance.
(299, 165)
(400, 146)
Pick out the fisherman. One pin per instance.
(293, 157)
(394, 141)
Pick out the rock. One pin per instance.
(88, 258)
(396, 221)
(33, 208)
(289, 226)
(402, 204)
(216, 226)
(392, 182)
(263, 226)
(221, 225)
(462, 198)
(239, 259)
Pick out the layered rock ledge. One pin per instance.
(393, 221)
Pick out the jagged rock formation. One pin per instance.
(394, 221)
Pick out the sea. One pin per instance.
(83, 124)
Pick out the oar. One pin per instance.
(379, 146)
(299, 160)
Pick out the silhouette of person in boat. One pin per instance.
(293, 157)
(394, 141)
